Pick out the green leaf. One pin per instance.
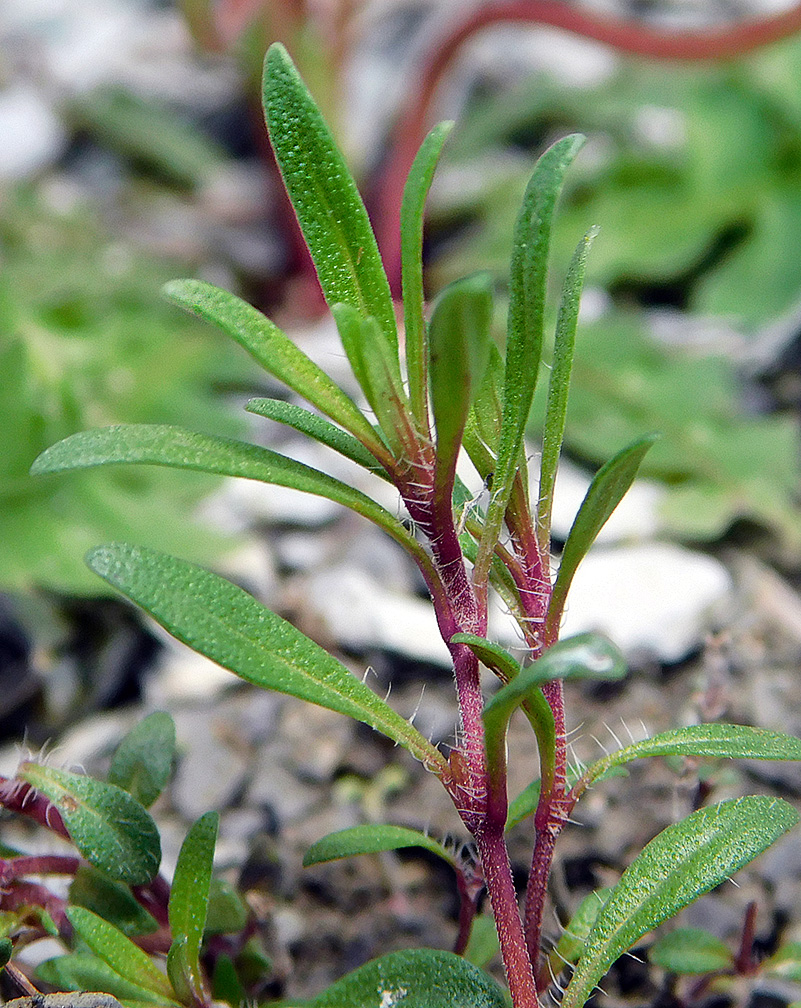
(276, 353)
(371, 839)
(571, 943)
(484, 420)
(157, 444)
(179, 969)
(681, 863)
(229, 626)
(94, 890)
(6, 951)
(716, 461)
(225, 983)
(81, 972)
(527, 295)
(585, 656)
(376, 371)
(189, 895)
(490, 654)
(109, 827)
(227, 912)
(147, 132)
(483, 945)
(714, 740)
(604, 494)
(324, 196)
(414, 978)
(525, 804)
(690, 951)
(411, 229)
(316, 427)
(785, 962)
(142, 763)
(459, 341)
(119, 952)
(559, 386)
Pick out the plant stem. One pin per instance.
(548, 822)
(500, 886)
(745, 962)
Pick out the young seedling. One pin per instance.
(453, 390)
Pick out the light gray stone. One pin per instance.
(654, 598)
(33, 135)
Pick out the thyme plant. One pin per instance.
(452, 390)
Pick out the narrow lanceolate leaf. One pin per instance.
(713, 740)
(604, 494)
(413, 978)
(109, 827)
(570, 944)
(527, 295)
(681, 863)
(81, 971)
(484, 420)
(376, 371)
(328, 206)
(119, 952)
(459, 342)
(490, 654)
(411, 229)
(158, 444)
(231, 628)
(558, 387)
(316, 427)
(371, 839)
(276, 353)
(691, 951)
(585, 656)
(189, 895)
(142, 763)
(93, 889)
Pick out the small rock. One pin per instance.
(210, 769)
(33, 136)
(184, 675)
(655, 598)
(361, 614)
(635, 518)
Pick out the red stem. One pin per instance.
(37, 864)
(549, 819)
(20, 797)
(744, 962)
(720, 42)
(500, 886)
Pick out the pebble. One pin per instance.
(33, 135)
(211, 768)
(635, 518)
(361, 614)
(654, 598)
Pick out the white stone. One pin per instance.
(32, 134)
(183, 675)
(362, 614)
(655, 598)
(635, 518)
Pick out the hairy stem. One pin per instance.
(501, 890)
(549, 819)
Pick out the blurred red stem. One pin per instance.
(721, 42)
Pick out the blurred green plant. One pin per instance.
(694, 184)
(82, 341)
